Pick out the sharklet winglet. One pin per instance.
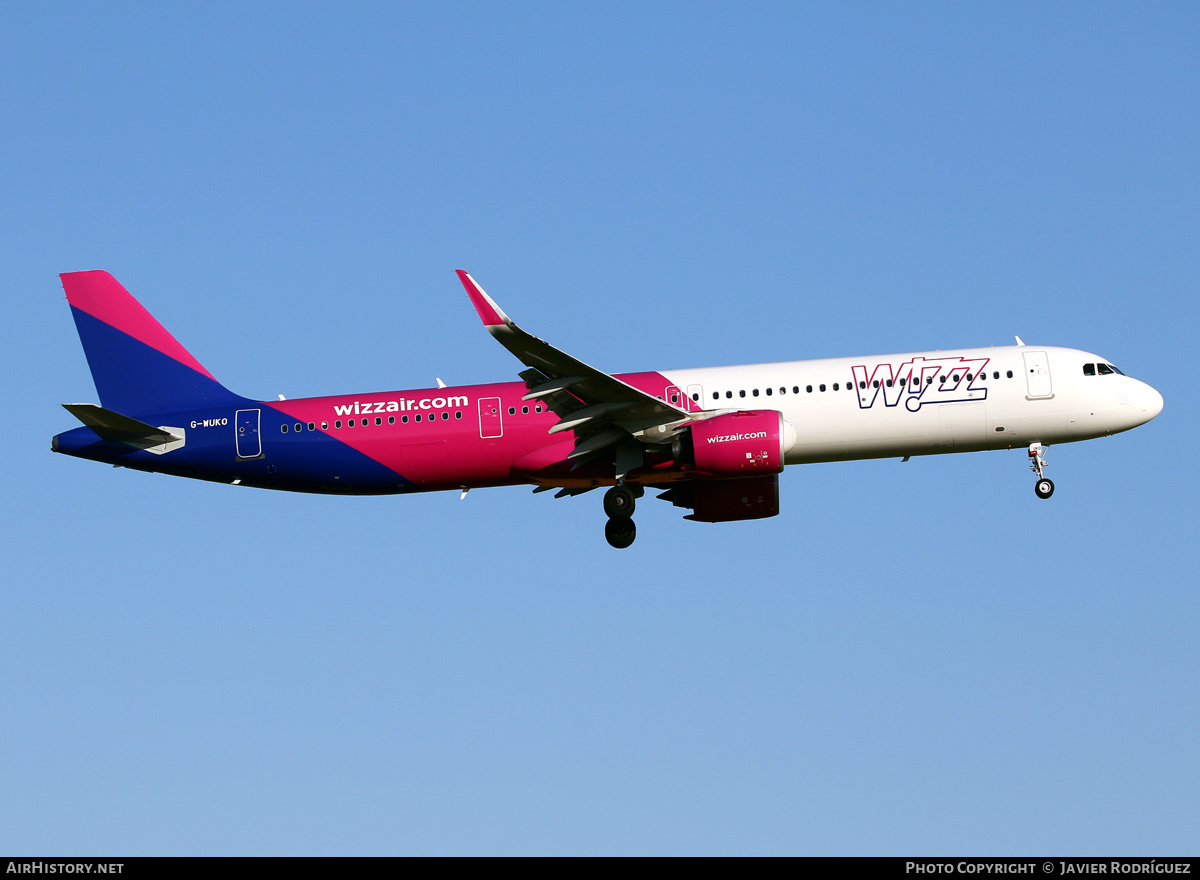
(490, 313)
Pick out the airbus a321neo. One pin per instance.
(711, 440)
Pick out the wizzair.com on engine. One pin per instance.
(711, 440)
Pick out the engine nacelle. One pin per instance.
(726, 500)
(739, 444)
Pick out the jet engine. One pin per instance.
(739, 444)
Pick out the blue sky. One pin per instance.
(917, 658)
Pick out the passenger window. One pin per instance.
(338, 423)
(796, 389)
(416, 418)
(808, 388)
(696, 397)
(674, 398)
(835, 386)
(458, 414)
(391, 420)
(902, 381)
(716, 395)
(283, 428)
(1010, 374)
(404, 419)
(783, 390)
(875, 384)
(525, 410)
(768, 392)
(742, 393)
(728, 394)
(378, 420)
(862, 384)
(512, 410)
(995, 374)
(324, 426)
(1089, 369)
(822, 387)
(1104, 369)
(538, 408)
(889, 383)
(755, 392)
(445, 417)
(312, 426)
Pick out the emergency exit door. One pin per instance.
(491, 420)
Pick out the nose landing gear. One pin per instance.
(1043, 488)
(619, 502)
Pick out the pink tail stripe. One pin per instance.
(103, 297)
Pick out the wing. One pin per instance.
(606, 414)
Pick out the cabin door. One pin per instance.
(1037, 374)
(249, 442)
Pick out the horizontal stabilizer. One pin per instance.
(110, 425)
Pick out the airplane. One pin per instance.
(711, 440)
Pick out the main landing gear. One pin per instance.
(619, 502)
(1043, 488)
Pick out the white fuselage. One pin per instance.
(930, 402)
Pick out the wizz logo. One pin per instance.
(921, 381)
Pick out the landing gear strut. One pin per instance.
(619, 502)
(1043, 488)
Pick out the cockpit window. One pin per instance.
(1114, 369)
(1105, 369)
(1089, 369)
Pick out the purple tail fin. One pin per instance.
(138, 367)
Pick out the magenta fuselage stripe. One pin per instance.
(444, 450)
(100, 295)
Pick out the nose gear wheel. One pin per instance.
(1043, 488)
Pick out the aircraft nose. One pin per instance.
(1150, 402)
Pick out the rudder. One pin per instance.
(138, 367)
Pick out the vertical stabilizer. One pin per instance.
(138, 367)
